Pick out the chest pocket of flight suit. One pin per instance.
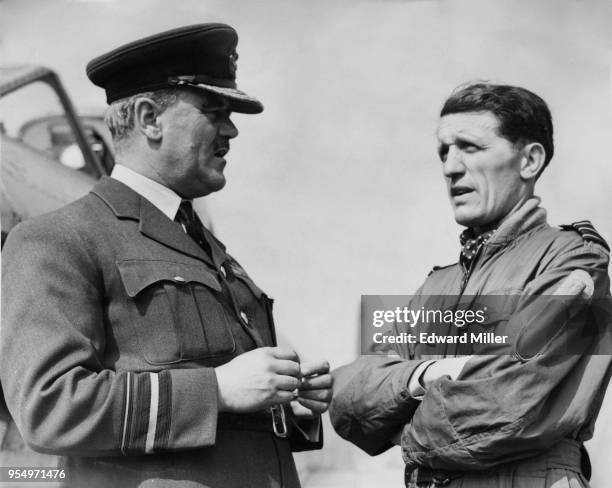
(178, 312)
(499, 310)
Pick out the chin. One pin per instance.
(214, 184)
(480, 224)
(207, 189)
(462, 218)
(467, 220)
(220, 185)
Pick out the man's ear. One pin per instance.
(533, 159)
(146, 119)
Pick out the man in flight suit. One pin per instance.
(503, 419)
(133, 344)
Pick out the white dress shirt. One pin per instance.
(162, 197)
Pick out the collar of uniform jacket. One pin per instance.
(126, 203)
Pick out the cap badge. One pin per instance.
(182, 80)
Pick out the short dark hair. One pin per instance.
(523, 116)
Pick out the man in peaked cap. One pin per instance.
(133, 344)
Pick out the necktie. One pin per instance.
(187, 217)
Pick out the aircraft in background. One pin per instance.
(49, 155)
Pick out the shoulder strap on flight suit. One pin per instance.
(438, 268)
(588, 232)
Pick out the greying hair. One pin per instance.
(119, 116)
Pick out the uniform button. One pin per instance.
(244, 317)
(180, 279)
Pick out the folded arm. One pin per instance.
(512, 406)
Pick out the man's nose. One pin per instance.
(453, 165)
(227, 128)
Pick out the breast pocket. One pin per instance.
(496, 332)
(178, 312)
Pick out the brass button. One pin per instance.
(180, 279)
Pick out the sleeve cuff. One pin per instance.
(146, 412)
(416, 389)
(194, 408)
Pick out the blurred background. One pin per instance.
(335, 190)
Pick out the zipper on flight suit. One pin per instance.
(466, 277)
(468, 273)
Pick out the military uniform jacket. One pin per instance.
(503, 407)
(112, 322)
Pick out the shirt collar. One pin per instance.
(159, 195)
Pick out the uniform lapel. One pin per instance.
(216, 246)
(126, 203)
(157, 226)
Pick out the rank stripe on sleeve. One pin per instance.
(146, 420)
(126, 415)
(164, 409)
(139, 421)
(154, 401)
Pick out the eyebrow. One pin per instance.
(465, 137)
(459, 140)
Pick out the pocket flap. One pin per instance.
(138, 274)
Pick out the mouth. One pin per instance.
(457, 191)
(220, 152)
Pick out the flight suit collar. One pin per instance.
(529, 216)
(126, 203)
